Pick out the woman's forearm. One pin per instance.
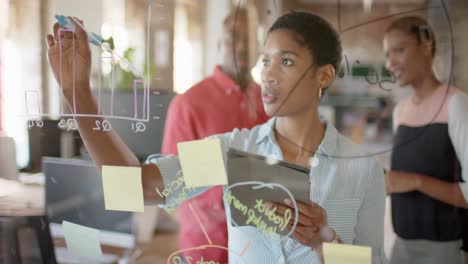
(446, 192)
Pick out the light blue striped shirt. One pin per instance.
(346, 183)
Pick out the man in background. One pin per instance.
(225, 100)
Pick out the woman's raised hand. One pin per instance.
(70, 58)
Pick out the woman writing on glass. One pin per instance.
(301, 55)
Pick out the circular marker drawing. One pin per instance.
(245, 212)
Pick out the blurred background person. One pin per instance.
(225, 100)
(430, 151)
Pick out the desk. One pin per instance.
(17, 199)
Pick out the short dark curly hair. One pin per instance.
(314, 32)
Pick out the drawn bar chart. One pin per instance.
(144, 100)
(33, 103)
(59, 34)
(140, 112)
(100, 82)
(140, 91)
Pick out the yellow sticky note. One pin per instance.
(346, 254)
(202, 162)
(123, 190)
(82, 241)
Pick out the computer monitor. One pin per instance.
(50, 141)
(144, 143)
(74, 193)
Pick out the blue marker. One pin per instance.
(63, 21)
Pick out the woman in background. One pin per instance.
(430, 149)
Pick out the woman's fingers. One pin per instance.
(50, 41)
(61, 32)
(56, 28)
(307, 236)
(281, 211)
(65, 37)
(312, 227)
(65, 33)
(80, 33)
(69, 56)
(81, 37)
(311, 209)
(306, 231)
(62, 36)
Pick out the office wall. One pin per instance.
(364, 41)
(83, 10)
(20, 70)
(216, 10)
(459, 15)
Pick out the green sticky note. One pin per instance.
(82, 241)
(122, 187)
(346, 254)
(202, 162)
